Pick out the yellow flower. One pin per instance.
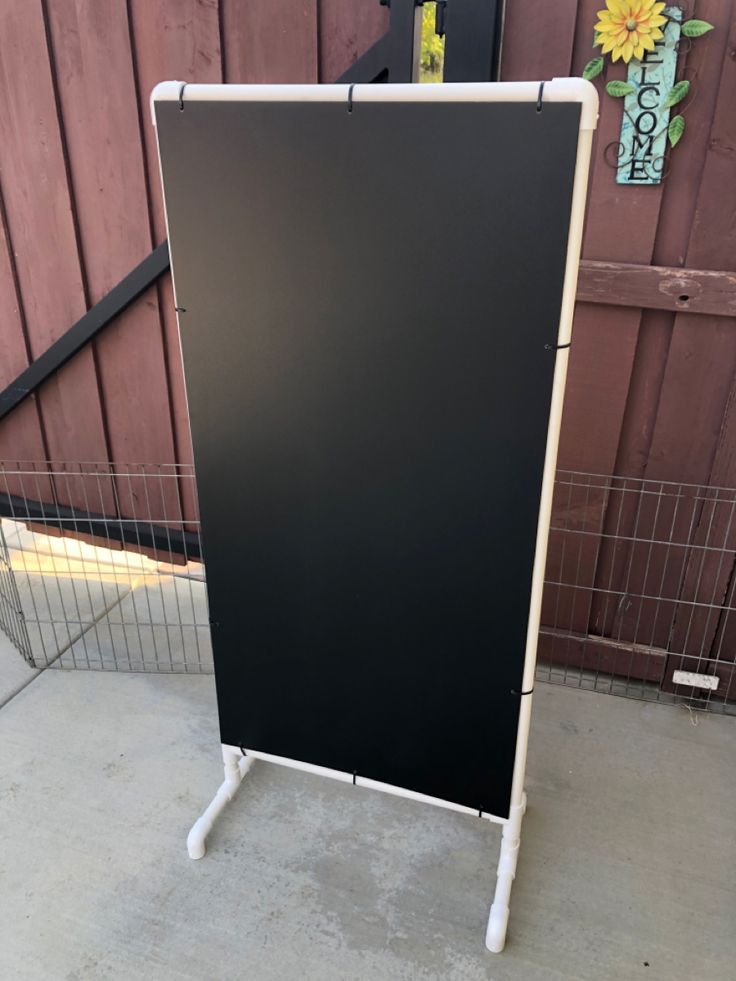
(628, 28)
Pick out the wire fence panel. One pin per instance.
(638, 601)
(97, 587)
(639, 590)
(12, 620)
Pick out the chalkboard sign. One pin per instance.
(375, 289)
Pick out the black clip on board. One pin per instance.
(375, 390)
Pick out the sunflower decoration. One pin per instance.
(628, 28)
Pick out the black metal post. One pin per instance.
(473, 40)
(393, 57)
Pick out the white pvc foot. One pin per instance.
(499, 916)
(236, 767)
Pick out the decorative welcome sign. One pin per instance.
(646, 36)
(647, 105)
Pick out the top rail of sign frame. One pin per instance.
(557, 90)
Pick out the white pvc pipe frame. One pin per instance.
(558, 90)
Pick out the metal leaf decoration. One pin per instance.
(677, 93)
(696, 28)
(675, 129)
(619, 89)
(666, 39)
(593, 68)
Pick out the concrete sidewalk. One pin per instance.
(626, 868)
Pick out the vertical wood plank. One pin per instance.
(541, 44)
(538, 42)
(687, 162)
(621, 226)
(99, 108)
(346, 30)
(172, 39)
(679, 201)
(270, 41)
(722, 644)
(696, 435)
(21, 436)
(617, 228)
(41, 227)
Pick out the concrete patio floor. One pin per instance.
(626, 867)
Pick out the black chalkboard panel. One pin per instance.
(371, 304)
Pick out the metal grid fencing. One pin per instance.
(100, 567)
(105, 566)
(639, 590)
(12, 621)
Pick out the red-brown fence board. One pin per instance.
(535, 44)
(685, 172)
(102, 126)
(621, 226)
(41, 226)
(270, 41)
(346, 30)
(23, 428)
(702, 359)
(172, 39)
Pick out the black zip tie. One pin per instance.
(557, 347)
(539, 97)
(350, 96)
(180, 309)
(480, 811)
(355, 776)
(242, 751)
(514, 692)
(181, 96)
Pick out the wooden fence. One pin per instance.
(651, 391)
(652, 384)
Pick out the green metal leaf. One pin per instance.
(696, 28)
(619, 89)
(675, 129)
(677, 93)
(593, 68)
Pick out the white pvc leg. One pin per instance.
(236, 767)
(510, 841)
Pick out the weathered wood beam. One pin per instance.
(576, 651)
(658, 287)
